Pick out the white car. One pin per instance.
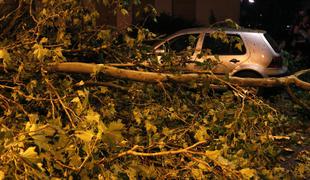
(248, 53)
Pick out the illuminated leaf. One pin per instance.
(39, 52)
(130, 41)
(30, 154)
(5, 56)
(84, 135)
(75, 161)
(92, 116)
(40, 166)
(39, 133)
(239, 46)
(248, 173)
(137, 115)
(104, 34)
(201, 134)
(141, 36)
(81, 93)
(58, 52)
(213, 154)
(150, 127)
(43, 40)
(87, 18)
(101, 128)
(124, 11)
(115, 126)
(104, 90)
(229, 126)
(2, 175)
(33, 118)
(78, 105)
(197, 173)
(113, 133)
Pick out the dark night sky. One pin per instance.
(275, 16)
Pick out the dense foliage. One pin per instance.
(59, 125)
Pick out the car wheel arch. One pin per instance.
(249, 67)
(248, 73)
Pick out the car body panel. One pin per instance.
(257, 57)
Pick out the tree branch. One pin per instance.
(295, 99)
(154, 77)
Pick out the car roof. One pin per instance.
(203, 29)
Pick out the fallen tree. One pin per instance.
(154, 77)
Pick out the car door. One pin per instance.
(225, 52)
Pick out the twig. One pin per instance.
(161, 85)
(19, 13)
(13, 102)
(66, 166)
(242, 108)
(53, 106)
(163, 153)
(30, 12)
(108, 84)
(296, 100)
(61, 102)
(84, 161)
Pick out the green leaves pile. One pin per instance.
(57, 125)
(142, 132)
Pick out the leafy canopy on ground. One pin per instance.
(79, 126)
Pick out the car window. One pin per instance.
(272, 43)
(183, 42)
(218, 46)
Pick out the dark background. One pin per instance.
(275, 16)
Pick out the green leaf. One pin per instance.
(78, 107)
(39, 52)
(39, 133)
(113, 132)
(150, 127)
(85, 135)
(115, 126)
(92, 116)
(30, 154)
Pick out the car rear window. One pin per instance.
(272, 43)
(233, 46)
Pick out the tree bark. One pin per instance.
(154, 77)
